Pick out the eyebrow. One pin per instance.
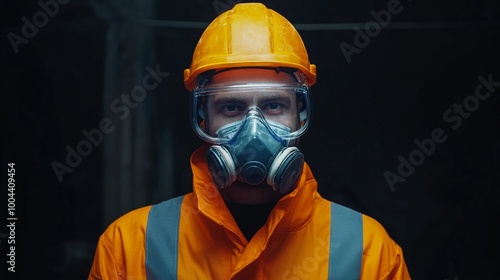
(218, 100)
(278, 98)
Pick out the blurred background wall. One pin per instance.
(406, 124)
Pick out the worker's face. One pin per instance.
(279, 107)
(224, 109)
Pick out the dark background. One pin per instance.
(367, 113)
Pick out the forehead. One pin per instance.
(251, 94)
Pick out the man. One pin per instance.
(254, 212)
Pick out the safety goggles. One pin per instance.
(215, 106)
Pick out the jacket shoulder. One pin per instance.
(374, 233)
(381, 255)
(131, 224)
(135, 221)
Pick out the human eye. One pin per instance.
(274, 107)
(230, 109)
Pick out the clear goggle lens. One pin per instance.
(215, 106)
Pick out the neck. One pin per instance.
(250, 217)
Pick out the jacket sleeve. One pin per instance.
(120, 251)
(382, 257)
(104, 265)
(399, 270)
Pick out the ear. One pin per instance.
(302, 116)
(202, 114)
(201, 111)
(301, 107)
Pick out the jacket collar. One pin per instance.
(292, 212)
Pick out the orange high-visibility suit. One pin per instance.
(195, 237)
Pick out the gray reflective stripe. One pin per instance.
(162, 235)
(346, 243)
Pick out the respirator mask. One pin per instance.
(253, 128)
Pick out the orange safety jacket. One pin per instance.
(195, 237)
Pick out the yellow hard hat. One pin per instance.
(249, 35)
